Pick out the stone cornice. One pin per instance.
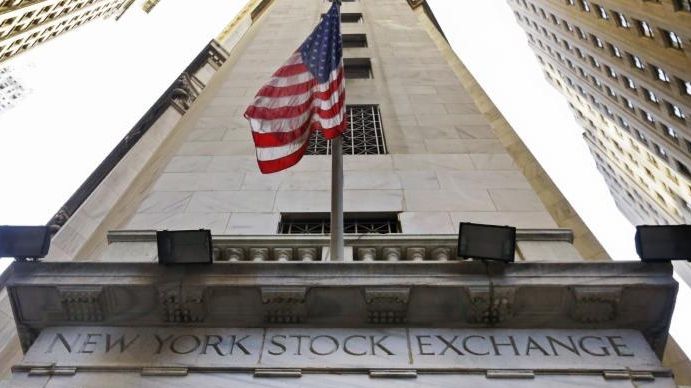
(445, 294)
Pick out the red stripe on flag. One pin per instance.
(301, 88)
(290, 70)
(277, 139)
(287, 112)
(271, 166)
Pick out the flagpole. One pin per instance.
(337, 245)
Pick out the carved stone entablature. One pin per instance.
(183, 304)
(185, 91)
(595, 304)
(83, 304)
(415, 3)
(216, 55)
(490, 305)
(284, 304)
(27, 336)
(387, 305)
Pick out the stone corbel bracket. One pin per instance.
(490, 304)
(595, 304)
(183, 304)
(82, 304)
(387, 305)
(284, 304)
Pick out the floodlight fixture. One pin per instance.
(184, 246)
(24, 242)
(486, 242)
(663, 242)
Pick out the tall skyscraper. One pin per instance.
(25, 23)
(11, 89)
(625, 68)
(425, 150)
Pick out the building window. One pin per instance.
(354, 40)
(642, 137)
(629, 82)
(357, 68)
(648, 117)
(602, 12)
(621, 20)
(585, 5)
(581, 34)
(676, 111)
(628, 103)
(351, 18)
(354, 223)
(645, 29)
(661, 74)
(682, 5)
(637, 62)
(685, 87)
(364, 136)
(661, 152)
(671, 133)
(611, 72)
(615, 51)
(683, 169)
(673, 40)
(651, 96)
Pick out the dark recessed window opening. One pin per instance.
(354, 40)
(357, 68)
(354, 223)
(350, 17)
(364, 135)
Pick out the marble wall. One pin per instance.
(445, 165)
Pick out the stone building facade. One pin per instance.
(426, 149)
(25, 23)
(625, 69)
(11, 89)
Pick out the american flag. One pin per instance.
(306, 94)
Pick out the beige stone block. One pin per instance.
(259, 181)
(548, 251)
(493, 162)
(425, 223)
(421, 180)
(447, 200)
(215, 221)
(143, 252)
(372, 200)
(232, 164)
(213, 148)
(458, 180)
(464, 146)
(376, 180)
(165, 202)
(302, 201)
(253, 223)
(206, 134)
(307, 180)
(537, 219)
(432, 162)
(362, 163)
(516, 200)
(198, 181)
(231, 201)
(188, 164)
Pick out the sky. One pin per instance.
(91, 85)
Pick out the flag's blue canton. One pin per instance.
(322, 50)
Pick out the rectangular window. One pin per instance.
(660, 74)
(354, 40)
(354, 223)
(351, 17)
(673, 40)
(364, 136)
(357, 68)
(683, 169)
(645, 29)
(671, 133)
(602, 12)
(621, 20)
(682, 5)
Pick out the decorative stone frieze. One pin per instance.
(186, 89)
(490, 304)
(84, 304)
(284, 304)
(182, 304)
(387, 305)
(595, 304)
(415, 254)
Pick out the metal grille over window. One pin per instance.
(364, 136)
(354, 224)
